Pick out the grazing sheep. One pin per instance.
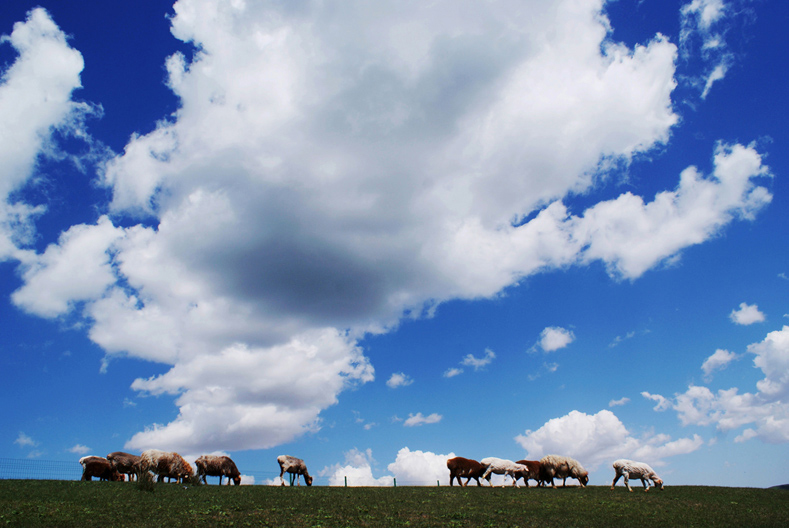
(125, 463)
(218, 466)
(502, 466)
(294, 466)
(628, 468)
(534, 470)
(464, 467)
(96, 466)
(165, 464)
(555, 466)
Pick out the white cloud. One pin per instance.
(398, 379)
(747, 314)
(477, 363)
(321, 179)
(35, 102)
(357, 471)
(452, 372)
(766, 410)
(717, 361)
(632, 237)
(704, 25)
(598, 439)
(620, 401)
(420, 468)
(77, 268)
(410, 468)
(79, 449)
(253, 398)
(554, 338)
(24, 440)
(419, 419)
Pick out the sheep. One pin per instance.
(555, 466)
(125, 463)
(628, 468)
(534, 470)
(164, 464)
(294, 466)
(218, 466)
(502, 466)
(96, 466)
(464, 467)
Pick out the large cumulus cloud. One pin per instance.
(319, 183)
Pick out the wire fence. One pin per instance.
(31, 469)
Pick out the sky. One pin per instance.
(375, 235)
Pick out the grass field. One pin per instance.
(32, 503)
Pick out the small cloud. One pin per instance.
(399, 379)
(616, 403)
(783, 276)
(452, 372)
(129, 403)
(79, 449)
(551, 367)
(619, 339)
(662, 403)
(418, 419)
(35, 454)
(247, 480)
(554, 338)
(478, 363)
(747, 314)
(369, 426)
(718, 361)
(25, 441)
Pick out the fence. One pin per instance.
(31, 469)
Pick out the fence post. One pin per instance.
(346, 482)
(395, 481)
(438, 483)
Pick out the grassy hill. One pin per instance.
(32, 503)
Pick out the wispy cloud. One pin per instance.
(477, 363)
(469, 360)
(452, 372)
(79, 449)
(419, 419)
(619, 402)
(24, 440)
(717, 361)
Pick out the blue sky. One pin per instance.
(377, 235)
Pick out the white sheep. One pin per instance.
(628, 468)
(502, 466)
(555, 466)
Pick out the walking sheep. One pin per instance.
(501, 466)
(628, 468)
(464, 467)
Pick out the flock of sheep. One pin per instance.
(545, 471)
(116, 466)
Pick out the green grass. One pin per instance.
(32, 503)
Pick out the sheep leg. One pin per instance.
(616, 478)
(627, 482)
(486, 476)
(646, 484)
(281, 473)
